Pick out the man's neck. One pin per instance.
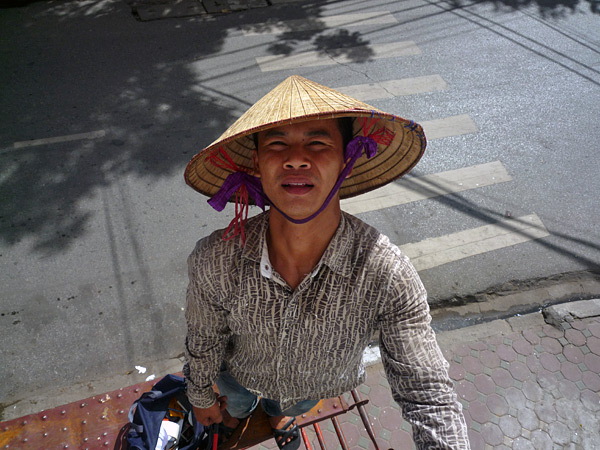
(294, 250)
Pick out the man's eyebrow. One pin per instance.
(319, 132)
(311, 133)
(270, 133)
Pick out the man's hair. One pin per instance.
(344, 125)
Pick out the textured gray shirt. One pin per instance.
(307, 343)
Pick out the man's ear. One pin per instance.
(256, 169)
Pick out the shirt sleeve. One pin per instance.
(416, 369)
(207, 332)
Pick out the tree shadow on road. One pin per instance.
(123, 77)
(547, 9)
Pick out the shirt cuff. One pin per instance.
(200, 398)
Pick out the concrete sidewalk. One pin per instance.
(524, 384)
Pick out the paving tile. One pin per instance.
(472, 364)
(593, 343)
(390, 419)
(467, 391)
(573, 353)
(502, 378)
(533, 391)
(522, 346)
(497, 405)
(456, 372)
(550, 362)
(515, 398)
(506, 353)
(546, 412)
(541, 440)
(489, 359)
(575, 337)
(401, 440)
(510, 426)
(519, 371)
(594, 328)
(568, 389)
(559, 433)
(592, 362)
(591, 380)
(565, 408)
(570, 371)
(479, 412)
(476, 440)
(533, 362)
(551, 331)
(528, 419)
(580, 325)
(531, 336)
(484, 384)
(551, 345)
(461, 350)
(492, 434)
(478, 345)
(591, 400)
(521, 443)
(379, 396)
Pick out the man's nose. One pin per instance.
(297, 158)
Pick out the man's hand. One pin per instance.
(208, 416)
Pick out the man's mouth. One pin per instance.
(297, 188)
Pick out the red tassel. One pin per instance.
(240, 218)
(220, 158)
(382, 136)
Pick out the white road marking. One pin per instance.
(320, 23)
(54, 140)
(392, 88)
(408, 190)
(449, 126)
(315, 58)
(434, 252)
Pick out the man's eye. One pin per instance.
(316, 143)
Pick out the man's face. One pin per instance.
(299, 164)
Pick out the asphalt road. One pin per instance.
(100, 112)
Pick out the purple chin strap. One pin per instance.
(253, 185)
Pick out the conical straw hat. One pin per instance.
(295, 100)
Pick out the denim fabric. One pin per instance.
(241, 402)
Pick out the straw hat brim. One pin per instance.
(298, 100)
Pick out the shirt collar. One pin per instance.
(336, 255)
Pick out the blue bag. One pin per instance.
(148, 412)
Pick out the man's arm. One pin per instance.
(207, 336)
(416, 369)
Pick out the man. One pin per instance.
(282, 305)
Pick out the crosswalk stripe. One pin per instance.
(418, 188)
(449, 126)
(320, 23)
(316, 58)
(434, 252)
(392, 88)
(54, 140)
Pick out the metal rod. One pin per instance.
(320, 436)
(340, 433)
(305, 439)
(365, 417)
